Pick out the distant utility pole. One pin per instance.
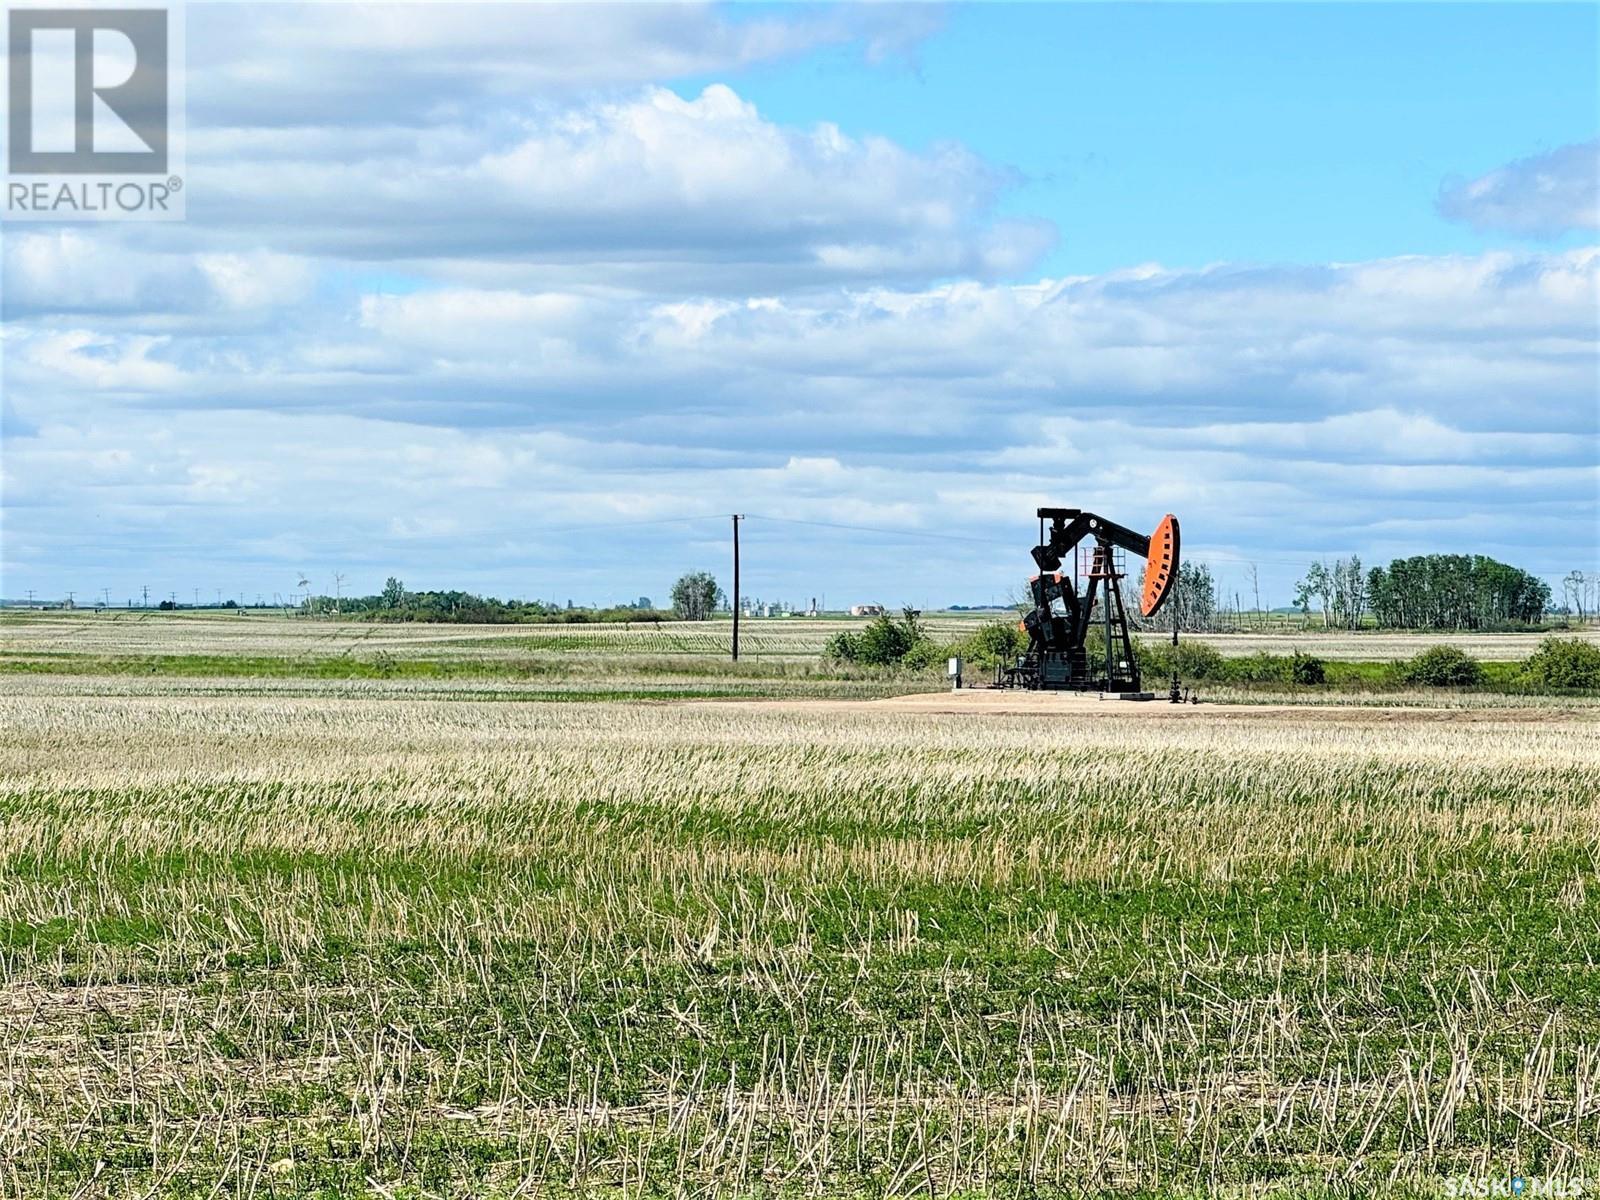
(736, 519)
(145, 591)
(30, 597)
(71, 599)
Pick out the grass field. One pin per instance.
(222, 636)
(287, 935)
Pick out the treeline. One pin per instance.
(1428, 591)
(1454, 591)
(395, 603)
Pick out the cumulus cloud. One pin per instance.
(82, 271)
(1481, 337)
(1368, 407)
(1542, 196)
(648, 188)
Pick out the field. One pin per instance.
(215, 634)
(288, 934)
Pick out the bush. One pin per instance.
(846, 647)
(1257, 668)
(1308, 669)
(1442, 666)
(925, 654)
(1564, 663)
(1192, 660)
(883, 643)
(993, 644)
(1273, 668)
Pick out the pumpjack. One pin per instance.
(1059, 621)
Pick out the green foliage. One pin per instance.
(1455, 591)
(884, 642)
(1307, 669)
(1441, 666)
(1256, 668)
(1565, 663)
(1341, 588)
(992, 644)
(925, 654)
(1193, 660)
(695, 596)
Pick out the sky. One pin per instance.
(526, 299)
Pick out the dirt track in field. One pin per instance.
(1002, 702)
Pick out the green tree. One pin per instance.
(394, 593)
(695, 596)
(1319, 583)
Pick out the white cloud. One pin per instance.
(96, 271)
(653, 185)
(1543, 196)
(308, 66)
(458, 276)
(1292, 411)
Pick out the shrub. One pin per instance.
(992, 644)
(883, 643)
(1442, 666)
(1565, 663)
(1272, 668)
(925, 654)
(1192, 660)
(1308, 668)
(844, 646)
(1257, 668)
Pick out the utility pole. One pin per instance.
(736, 517)
(146, 592)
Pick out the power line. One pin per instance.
(943, 537)
(635, 524)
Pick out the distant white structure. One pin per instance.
(866, 610)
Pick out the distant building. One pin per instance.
(866, 610)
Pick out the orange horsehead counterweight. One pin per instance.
(1160, 566)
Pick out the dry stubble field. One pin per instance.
(372, 941)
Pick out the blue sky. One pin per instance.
(1194, 134)
(457, 282)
